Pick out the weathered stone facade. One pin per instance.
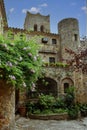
(37, 22)
(52, 50)
(7, 106)
(69, 32)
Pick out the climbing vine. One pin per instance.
(20, 64)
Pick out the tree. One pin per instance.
(20, 64)
(78, 59)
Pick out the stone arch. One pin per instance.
(66, 83)
(35, 27)
(47, 86)
(42, 28)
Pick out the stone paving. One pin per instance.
(28, 124)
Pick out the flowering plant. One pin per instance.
(20, 64)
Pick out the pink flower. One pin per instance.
(25, 48)
(4, 45)
(29, 54)
(24, 85)
(35, 58)
(33, 87)
(32, 71)
(20, 59)
(9, 63)
(12, 77)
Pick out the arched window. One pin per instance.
(75, 37)
(54, 41)
(42, 28)
(66, 83)
(35, 27)
(66, 86)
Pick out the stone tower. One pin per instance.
(37, 22)
(69, 33)
(3, 19)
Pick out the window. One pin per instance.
(66, 86)
(44, 40)
(35, 27)
(53, 41)
(51, 59)
(42, 28)
(75, 37)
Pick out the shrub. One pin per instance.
(20, 64)
(37, 111)
(30, 107)
(69, 97)
(47, 111)
(73, 112)
(83, 109)
(59, 110)
(46, 101)
(59, 103)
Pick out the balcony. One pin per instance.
(48, 49)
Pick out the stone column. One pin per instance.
(79, 89)
(7, 106)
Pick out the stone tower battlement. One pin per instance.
(37, 22)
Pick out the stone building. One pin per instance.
(52, 51)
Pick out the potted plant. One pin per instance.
(22, 109)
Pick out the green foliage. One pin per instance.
(45, 105)
(37, 111)
(57, 64)
(45, 83)
(73, 112)
(31, 107)
(83, 109)
(20, 64)
(59, 110)
(46, 101)
(70, 96)
(59, 103)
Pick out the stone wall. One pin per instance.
(59, 74)
(61, 116)
(74, 78)
(7, 106)
(80, 82)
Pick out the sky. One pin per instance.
(57, 9)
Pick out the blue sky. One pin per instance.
(57, 9)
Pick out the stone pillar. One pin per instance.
(79, 89)
(7, 106)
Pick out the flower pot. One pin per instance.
(22, 111)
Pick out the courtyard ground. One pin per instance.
(28, 124)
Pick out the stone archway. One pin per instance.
(47, 86)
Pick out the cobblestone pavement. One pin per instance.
(28, 124)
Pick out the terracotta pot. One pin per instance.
(22, 111)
